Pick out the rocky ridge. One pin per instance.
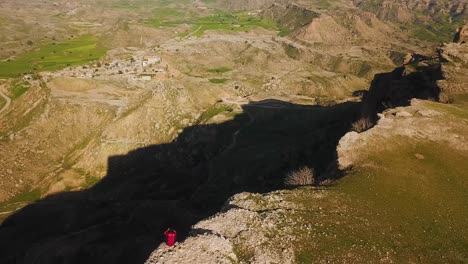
(262, 228)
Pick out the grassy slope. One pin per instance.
(397, 206)
(52, 56)
(17, 202)
(401, 208)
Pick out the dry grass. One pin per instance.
(302, 177)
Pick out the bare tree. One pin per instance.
(363, 124)
(301, 177)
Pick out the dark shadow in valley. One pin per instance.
(122, 218)
(392, 89)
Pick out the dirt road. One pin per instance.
(8, 102)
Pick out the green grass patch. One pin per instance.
(229, 22)
(218, 80)
(91, 181)
(457, 110)
(219, 70)
(18, 201)
(441, 29)
(54, 56)
(283, 32)
(18, 88)
(165, 17)
(213, 111)
(170, 17)
(141, 5)
(125, 5)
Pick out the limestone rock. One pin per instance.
(403, 114)
(205, 248)
(344, 149)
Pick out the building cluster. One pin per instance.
(143, 67)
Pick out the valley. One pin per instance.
(119, 119)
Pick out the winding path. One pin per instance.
(8, 102)
(186, 37)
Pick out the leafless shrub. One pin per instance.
(363, 124)
(302, 177)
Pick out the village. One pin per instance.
(142, 66)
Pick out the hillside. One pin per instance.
(403, 199)
(119, 119)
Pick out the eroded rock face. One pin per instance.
(454, 66)
(462, 35)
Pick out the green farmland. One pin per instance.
(228, 22)
(54, 56)
(219, 21)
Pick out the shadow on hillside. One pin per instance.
(398, 87)
(121, 219)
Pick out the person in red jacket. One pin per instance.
(171, 235)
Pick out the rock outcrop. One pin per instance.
(454, 65)
(462, 35)
(251, 228)
(415, 122)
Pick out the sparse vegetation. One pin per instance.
(217, 80)
(291, 51)
(364, 69)
(362, 124)
(243, 254)
(90, 181)
(302, 177)
(219, 70)
(213, 111)
(18, 88)
(18, 201)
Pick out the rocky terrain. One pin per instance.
(164, 110)
(292, 226)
